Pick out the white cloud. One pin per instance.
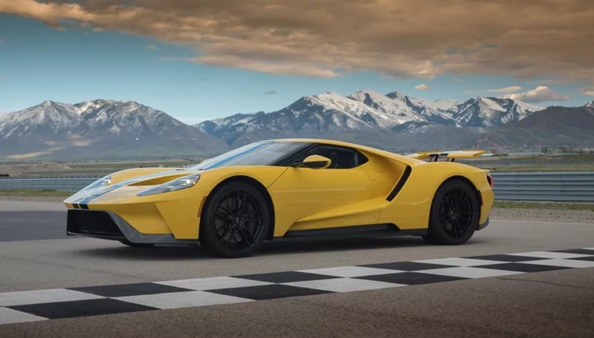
(152, 47)
(511, 89)
(423, 86)
(328, 40)
(539, 94)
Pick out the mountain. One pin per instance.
(552, 127)
(362, 114)
(98, 129)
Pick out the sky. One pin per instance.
(197, 60)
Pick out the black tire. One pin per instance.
(137, 245)
(454, 214)
(235, 220)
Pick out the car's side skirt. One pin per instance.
(356, 231)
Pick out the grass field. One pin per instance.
(34, 193)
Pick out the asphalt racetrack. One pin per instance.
(513, 279)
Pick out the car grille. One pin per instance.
(92, 223)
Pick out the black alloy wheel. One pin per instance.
(454, 214)
(235, 221)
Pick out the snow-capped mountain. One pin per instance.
(99, 128)
(590, 104)
(491, 112)
(364, 111)
(553, 126)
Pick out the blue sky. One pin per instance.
(73, 64)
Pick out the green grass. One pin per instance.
(34, 192)
(544, 205)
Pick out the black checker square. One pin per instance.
(524, 267)
(408, 266)
(285, 277)
(272, 291)
(412, 278)
(507, 258)
(123, 290)
(81, 308)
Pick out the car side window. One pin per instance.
(341, 157)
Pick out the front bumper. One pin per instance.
(484, 225)
(108, 225)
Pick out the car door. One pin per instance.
(308, 198)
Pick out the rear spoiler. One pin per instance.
(433, 156)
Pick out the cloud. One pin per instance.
(423, 86)
(153, 47)
(511, 89)
(272, 92)
(539, 94)
(420, 39)
(589, 91)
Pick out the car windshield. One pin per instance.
(259, 153)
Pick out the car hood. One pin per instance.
(130, 177)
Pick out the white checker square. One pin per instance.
(460, 261)
(213, 283)
(43, 296)
(549, 255)
(343, 285)
(350, 271)
(567, 263)
(469, 272)
(10, 316)
(176, 300)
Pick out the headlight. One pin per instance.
(178, 184)
(103, 181)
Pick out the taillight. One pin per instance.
(490, 179)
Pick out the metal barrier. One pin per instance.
(546, 186)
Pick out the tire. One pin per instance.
(235, 220)
(137, 245)
(454, 214)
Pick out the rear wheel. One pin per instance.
(235, 220)
(454, 214)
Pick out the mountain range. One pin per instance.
(393, 121)
(102, 129)
(99, 129)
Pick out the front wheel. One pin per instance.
(235, 220)
(454, 214)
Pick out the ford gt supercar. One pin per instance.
(232, 203)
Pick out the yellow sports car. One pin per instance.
(285, 188)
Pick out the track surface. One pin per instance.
(35, 255)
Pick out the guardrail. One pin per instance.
(542, 186)
(545, 186)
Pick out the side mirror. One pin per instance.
(314, 162)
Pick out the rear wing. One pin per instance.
(434, 156)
